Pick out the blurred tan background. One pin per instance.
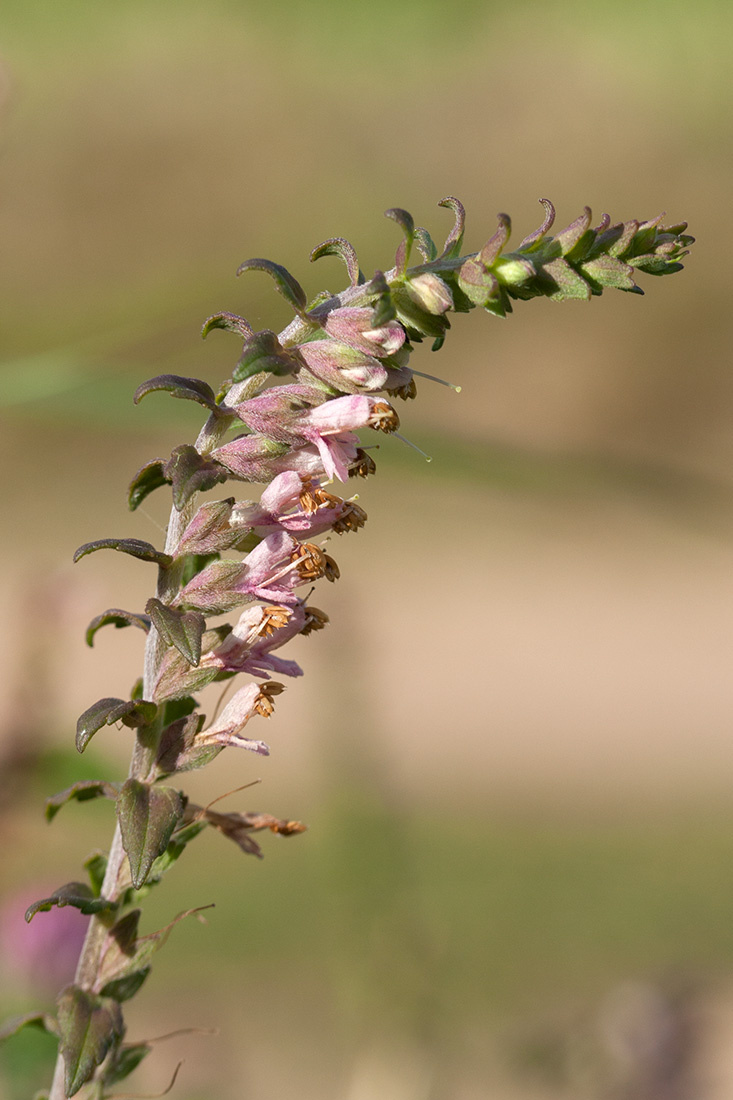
(513, 745)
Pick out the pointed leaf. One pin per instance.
(132, 712)
(147, 817)
(93, 718)
(608, 271)
(454, 240)
(145, 481)
(176, 847)
(96, 867)
(407, 225)
(88, 1027)
(570, 236)
(118, 618)
(263, 351)
(40, 1020)
(229, 321)
(339, 246)
(495, 245)
(209, 530)
(285, 284)
(122, 989)
(76, 894)
(383, 305)
(189, 473)
(188, 389)
(533, 239)
(135, 547)
(476, 282)
(125, 1061)
(175, 750)
(182, 629)
(80, 792)
(425, 244)
(566, 280)
(127, 958)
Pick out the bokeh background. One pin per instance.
(513, 745)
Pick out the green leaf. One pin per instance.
(570, 236)
(407, 225)
(608, 271)
(188, 389)
(339, 246)
(96, 867)
(76, 894)
(263, 352)
(135, 547)
(145, 481)
(213, 591)
(454, 240)
(80, 792)
(181, 837)
(565, 281)
(494, 247)
(125, 1061)
(189, 473)
(533, 240)
(176, 743)
(88, 1025)
(132, 712)
(196, 563)
(232, 322)
(114, 616)
(477, 282)
(425, 244)
(209, 531)
(123, 989)
(182, 629)
(285, 284)
(40, 1020)
(147, 816)
(383, 305)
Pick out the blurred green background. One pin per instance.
(512, 746)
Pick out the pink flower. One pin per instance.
(355, 326)
(227, 728)
(343, 367)
(298, 505)
(270, 572)
(258, 631)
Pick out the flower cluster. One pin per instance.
(291, 419)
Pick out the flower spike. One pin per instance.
(301, 401)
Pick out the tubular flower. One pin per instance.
(298, 505)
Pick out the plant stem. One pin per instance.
(141, 764)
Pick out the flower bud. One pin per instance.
(343, 367)
(430, 292)
(355, 326)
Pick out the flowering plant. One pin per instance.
(287, 419)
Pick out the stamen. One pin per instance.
(428, 458)
(440, 381)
